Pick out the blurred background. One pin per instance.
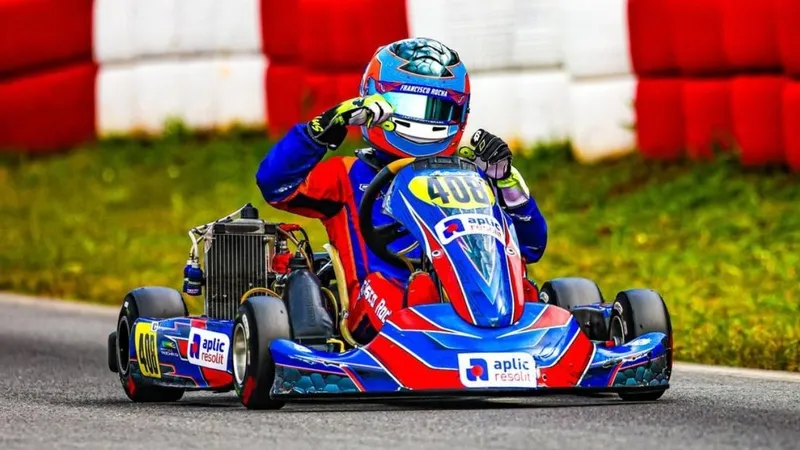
(660, 137)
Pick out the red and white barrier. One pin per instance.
(669, 77)
(126, 30)
(204, 92)
(716, 74)
(601, 117)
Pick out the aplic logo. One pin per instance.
(452, 227)
(498, 370)
(208, 349)
(194, 347)
(477, 370)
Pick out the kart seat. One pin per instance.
(341, 285)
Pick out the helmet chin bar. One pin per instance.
(420, 133)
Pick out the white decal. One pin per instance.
(454, 227)
(208, 349)
(368, 294)
(510, 370)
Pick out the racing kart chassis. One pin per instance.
(274, 327)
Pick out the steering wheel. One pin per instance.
(379, 238)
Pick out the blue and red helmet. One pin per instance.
(428, 87)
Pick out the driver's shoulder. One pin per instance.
(359, 164)
(356, 168)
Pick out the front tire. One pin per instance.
(260, 321)
(151, 303)
(635, 313)
(574, 294)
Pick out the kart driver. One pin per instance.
(414, 102)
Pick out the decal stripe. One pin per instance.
(379, 363)
(406, 321)
(550, 317)
(446, 271)
(571, 365)
(414, 355)
(614, 373)
(428, 320)
(354, 379)
(589, 364)
(408, 369)
(514, 263)
(553, 317)
(216, 378)
(198, 323)
(175, 374)
(417, 322)
(443, 267)
(309, 369)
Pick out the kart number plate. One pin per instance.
(146, 340)
(453, 191)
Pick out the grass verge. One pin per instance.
(720, 242)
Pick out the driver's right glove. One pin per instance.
(330, 128)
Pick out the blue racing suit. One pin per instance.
(293, 177)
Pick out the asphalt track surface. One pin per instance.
(57, 392)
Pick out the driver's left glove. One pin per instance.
(492, 154)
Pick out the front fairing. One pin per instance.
(453, 213)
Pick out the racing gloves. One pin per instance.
(492, 155)
(330, 128)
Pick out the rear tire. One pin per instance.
(260, 321)
(112, 352)
(151, 303)
(635, 313)
(573, 294)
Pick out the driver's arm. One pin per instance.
(293, 177)
(528, 220)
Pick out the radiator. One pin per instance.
(238, 257)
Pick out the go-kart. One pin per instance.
(275, 326)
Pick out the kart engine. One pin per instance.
(237, 257)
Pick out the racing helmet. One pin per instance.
(427, 86)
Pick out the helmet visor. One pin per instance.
(425, 108)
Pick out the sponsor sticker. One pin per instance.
(208, 349)
(167, 347)
(454, 227)
(497, 370)
(377, 304)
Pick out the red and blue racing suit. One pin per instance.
(293, 177)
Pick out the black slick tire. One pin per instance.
(261, 320)
(637, 312)
(147, 302)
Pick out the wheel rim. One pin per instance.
(240, 352)
(616, 334)
(123, 345)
